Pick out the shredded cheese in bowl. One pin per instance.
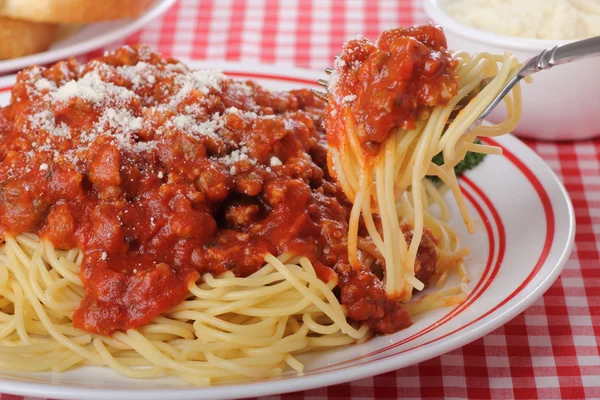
(534, 19)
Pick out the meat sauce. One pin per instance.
(391, 83)
(160, 174)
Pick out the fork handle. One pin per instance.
(563, 54)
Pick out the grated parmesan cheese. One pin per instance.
(183, 121)
(244, 114)
(140, 147)
(189, 125)
(44, 120)
(125, 111)
(274, 162)
(91, 88)
(338, 65)
(120, 120)
(202, 80)
(243, 87)
(177, 67)
(140, 75)
(349, 99)
(238, 155)
(45, 84)
(535, 19)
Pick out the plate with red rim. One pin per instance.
(525, 232)
(88, 37)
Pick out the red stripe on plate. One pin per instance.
(272, 77)
(548, 211)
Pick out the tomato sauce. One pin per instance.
(160, 174)
(390, 83)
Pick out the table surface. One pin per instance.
(549, 351)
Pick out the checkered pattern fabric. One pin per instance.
(549, 351)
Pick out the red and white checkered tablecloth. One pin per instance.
(549, 351)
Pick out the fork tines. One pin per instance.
(325, 84)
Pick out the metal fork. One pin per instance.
(547, 59)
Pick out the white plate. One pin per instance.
(525, 233)
(88, 38)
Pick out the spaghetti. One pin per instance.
(381, 159)
(227, 329)
(161, 221)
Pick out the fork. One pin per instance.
(547, 59)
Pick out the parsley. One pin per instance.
(470, 161)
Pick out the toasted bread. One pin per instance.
(20, 38)
(72, 11)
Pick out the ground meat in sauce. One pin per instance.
(390, 83)
(160, 174)
(427, 255)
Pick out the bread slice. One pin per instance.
(20, 38)
(72, 11)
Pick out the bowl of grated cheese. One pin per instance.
(560, 104)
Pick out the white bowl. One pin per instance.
(561, 104)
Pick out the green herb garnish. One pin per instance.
(470, 161)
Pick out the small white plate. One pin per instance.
(525, 233)
(88, 38)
